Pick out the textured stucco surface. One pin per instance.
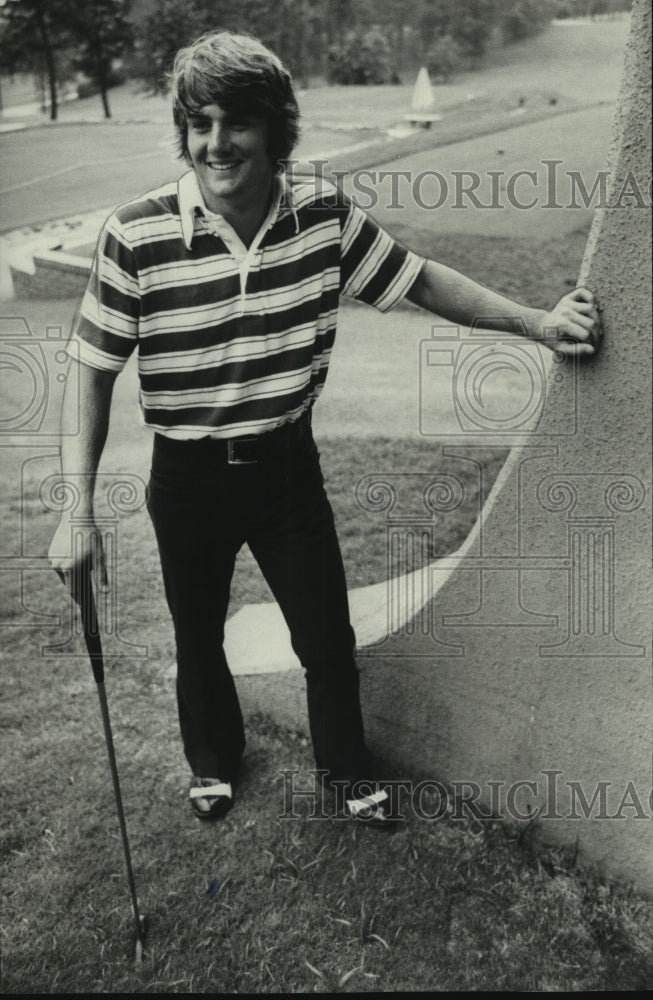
(533, 654)
(566, 534)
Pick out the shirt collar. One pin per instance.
(190, 199)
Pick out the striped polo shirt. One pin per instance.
(232, 340)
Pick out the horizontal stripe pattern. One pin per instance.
(227, 345)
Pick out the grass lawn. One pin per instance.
(258, 903)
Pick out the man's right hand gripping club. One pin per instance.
(77, 543)
(75, 549)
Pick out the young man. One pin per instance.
(227, 283)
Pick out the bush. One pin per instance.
(472, 25)
(89, 88)
(521, 18)
(564, 8)
(363, 58)
(444, 58)
(117, 76)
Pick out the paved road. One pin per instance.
(54, 172)
(73, 168)
(50, 173)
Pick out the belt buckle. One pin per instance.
(232, 445)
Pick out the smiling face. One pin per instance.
(229, 153)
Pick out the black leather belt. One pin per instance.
(246, 450)
(252, 448)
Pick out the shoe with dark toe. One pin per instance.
(211, 798)
(370, 809)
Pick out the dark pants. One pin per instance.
(203, 509)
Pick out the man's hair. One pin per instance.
(242, 76)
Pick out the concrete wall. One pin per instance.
(534, 653)
(56, 275)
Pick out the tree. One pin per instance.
(102, 32)
(161, 27)
(443, 59)
(159, 30)
(363, 58)
(32, 32)
(470, 23)
(294, 29)
(521, 18)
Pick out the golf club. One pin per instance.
(83, 594)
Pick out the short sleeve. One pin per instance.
(107, 326)
(374, 268)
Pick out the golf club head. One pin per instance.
(140, 939)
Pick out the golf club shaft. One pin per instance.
(86, 599)
(104, 708)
